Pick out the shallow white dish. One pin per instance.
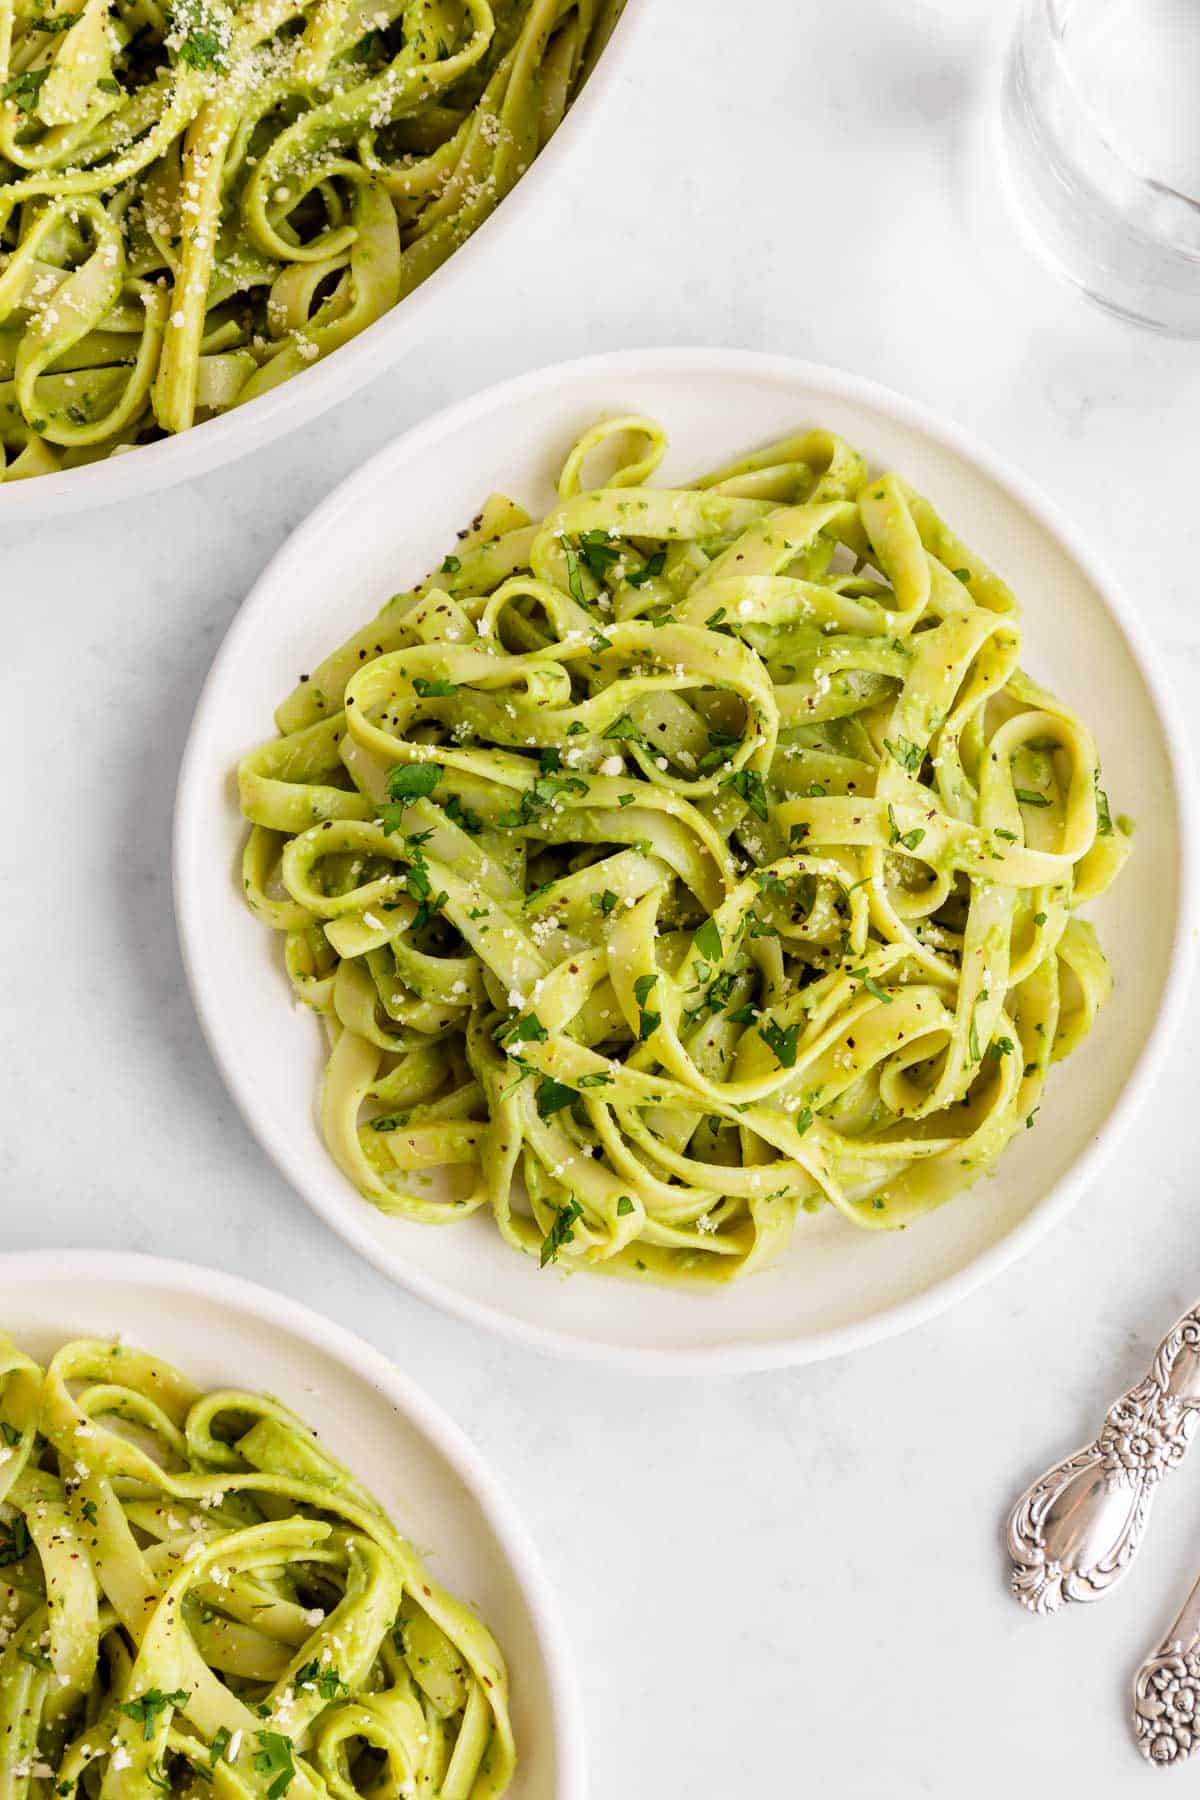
(219, 1330)
(305, 397)
(383, 528)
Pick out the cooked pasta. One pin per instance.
(199, 199)
(196, 1598)
(685, 861)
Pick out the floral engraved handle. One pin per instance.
(1166, 1691)
(1075, 1531)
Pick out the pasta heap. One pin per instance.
(199, 199)
(195, 1598)
(683, 860)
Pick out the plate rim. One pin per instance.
(91, 1268)
(1061, 1195)
(221, 442)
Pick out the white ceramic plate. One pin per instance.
(390, 522)
(219, 1330)
(306, 396)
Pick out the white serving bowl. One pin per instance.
(337, 376)
(220, 1332)
(382, 529)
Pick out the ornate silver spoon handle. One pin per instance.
(1073, 1534)
(1166, 1691)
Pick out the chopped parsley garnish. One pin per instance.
(708, 941)
(24, 89)
(648, 1022)
(910, 756)
(433, 690)
(146, 1708)
(871, 985)
(552, 1096)
(326, 1680)
(743, 1015)
(1104, 824)
(907, 839)
(624, 729)
(1002, 1046)
(604, 902)
(781, 1039)
(198, 45)
(1039, 918)
(450, 566)
(803, 1120)
(413, 780)
(721, 743)
(598, 553)
(274, 1758)
(598, 1079)
(405, 783)
(561, 1232)
(90, 1512)
(652, 567)
(574, 579)
(1028, 797)
(748, 784)
(624, 1206)
(526, 1030)
(545, 791)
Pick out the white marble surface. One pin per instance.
(776, 1584)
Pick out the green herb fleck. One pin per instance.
(781, 1040)
(910, 756)
(146, 1708)
(708, 941)
(561, 1232)
(748, 784)
(274, 1758)
(552, 1096)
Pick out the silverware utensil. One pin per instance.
(1077, 1529)
(1166, 1691)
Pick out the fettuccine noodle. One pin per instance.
(682, 861)
(195, 1598)
(200, 199)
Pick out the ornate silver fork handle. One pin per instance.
(1075, 1531)
(1166, 1691)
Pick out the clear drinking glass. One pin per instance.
(1101, 128)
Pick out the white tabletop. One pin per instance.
(783, 1583)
